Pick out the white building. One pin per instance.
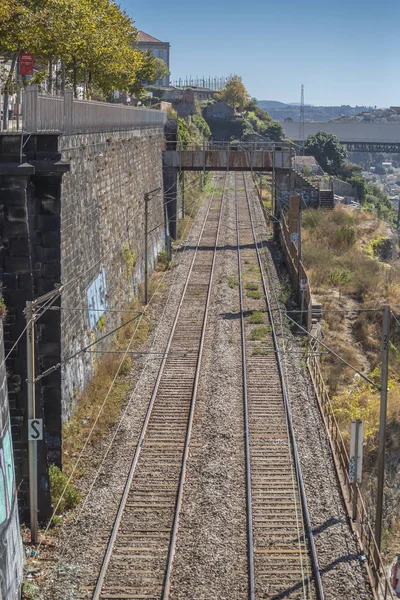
(158, 48)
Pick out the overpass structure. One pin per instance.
(227, 156)
(356, 136)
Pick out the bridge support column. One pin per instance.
(171, 199)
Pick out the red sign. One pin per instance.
(26, 60)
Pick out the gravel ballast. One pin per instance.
(210, 561)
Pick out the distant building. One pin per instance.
(219, 110)
(158, 48)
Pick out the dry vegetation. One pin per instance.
(342, 251)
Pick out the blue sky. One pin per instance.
(344, 51)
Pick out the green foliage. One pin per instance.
(172, 114)
(95, 41)
(339, 276)
(360, 185)
(306, 171)
(163, 264)
(346, 236)
(101, 323)
(202, 126)
(234, 93)
(3, 308)
(58, 482)
(254, 295)
(328, 151)
(128, 256)
(232, 281)
(251, 285)
(255, 317)
(29, 591)
(184, 134)
(375, 246)
(259, 333)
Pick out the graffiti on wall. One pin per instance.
(97, 298)
(310, 197)
(11, 559)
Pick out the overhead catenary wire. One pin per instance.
(79, 458)
(63, 362)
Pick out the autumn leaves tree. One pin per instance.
(234, 93)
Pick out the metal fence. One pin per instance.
(63, 113)
(363, 526)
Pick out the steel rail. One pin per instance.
(249, 509)
(172, 547)
(306, 515)
(107, 557)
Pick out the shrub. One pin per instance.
(346, 236)
(58, 482)
(339, 276)
(163, 264)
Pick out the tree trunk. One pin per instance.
(7, 90)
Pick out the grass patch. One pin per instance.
(255, 317)
(232, 281)
(259, 333)
(254, 295)
(260, 351)
(251, 285)
(163, 264)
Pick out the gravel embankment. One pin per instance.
(344, 576)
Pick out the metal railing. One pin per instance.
(63, 113)
(363, 526)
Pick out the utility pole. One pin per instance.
(299, 253)
(32, 443)
(302, 119)
(146, 220)
(382, 428)
(183, 192)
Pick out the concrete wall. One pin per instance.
(11, 556)
(102, 230)
(342, 188)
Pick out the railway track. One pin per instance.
(140, 551)
(282, 559)
(138, 561)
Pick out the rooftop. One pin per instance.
(142, 36)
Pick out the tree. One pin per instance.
(327, 150)
(161, 70)
(234, 93)
(361, 187)
(274, 131)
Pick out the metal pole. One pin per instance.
(261, 187)
(382, 429)
(301, 291)
(32, 444)
(146, 218)
(358, 422)
(183, 193)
